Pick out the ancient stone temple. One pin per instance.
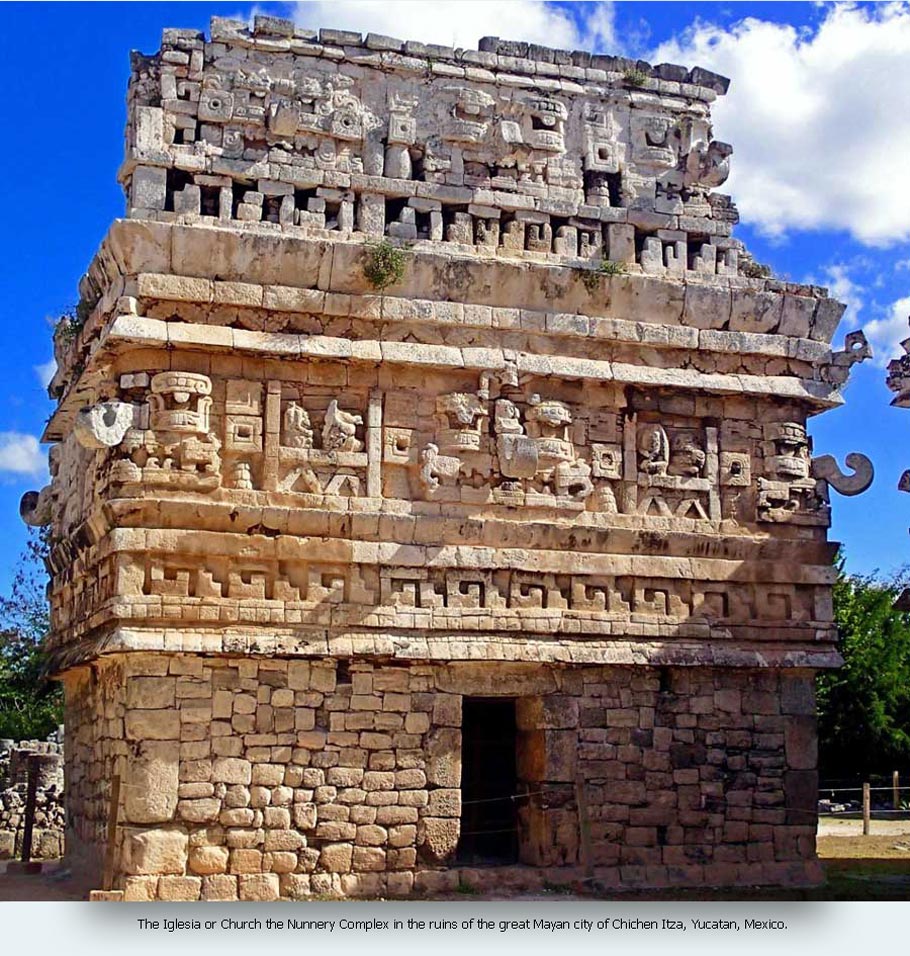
(431, 483)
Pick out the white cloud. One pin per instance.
(461, 23)
(21, 454)
(818, 118)
(886, 334)
(844, 289)
(45, 372)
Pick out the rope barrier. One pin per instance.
(484, 832)
(513, 796)
(856, 789)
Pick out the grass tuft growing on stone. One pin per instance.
(607, 267)
(754, 270)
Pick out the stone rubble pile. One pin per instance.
(48, 833)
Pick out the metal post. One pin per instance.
(896, 790)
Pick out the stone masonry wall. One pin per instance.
(265, 778)
(94, 743)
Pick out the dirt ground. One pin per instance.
(840, 839)
(51, 886)
(857, 867)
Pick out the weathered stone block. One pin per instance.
(208, 860)
(336, 858)
(258, 887)
(179, 889)
(153, 725)
(155, 852)
(438, 838)
(150, 794)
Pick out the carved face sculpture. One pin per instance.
(461, 409)
(549, 424)
(468, 116)
(180, 402)
(791, 446)
(655, 140)
(544, 124)
(899, 377)
(551, 416)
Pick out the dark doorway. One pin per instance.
(488, 782)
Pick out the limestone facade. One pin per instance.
(306, 514)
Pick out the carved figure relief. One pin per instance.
(434, 466)
(898, 380)
(339, 433)
(337, 466)
(177, 448)
(653, 449)
(677, 471)
(688, 455)
(534, 453)
(297, 432)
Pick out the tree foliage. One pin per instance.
(864, 708)
(30, 705)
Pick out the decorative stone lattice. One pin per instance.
(300, 523)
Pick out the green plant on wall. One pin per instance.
(383, 265)
(607, 267)
(754, 270)
(70, 323)
(634, 77)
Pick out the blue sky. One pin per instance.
(816, 114)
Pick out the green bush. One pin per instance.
(30, 705)
(384, 264)
(607, 267)
(634, 77)
(754, 270)
(864, 707)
